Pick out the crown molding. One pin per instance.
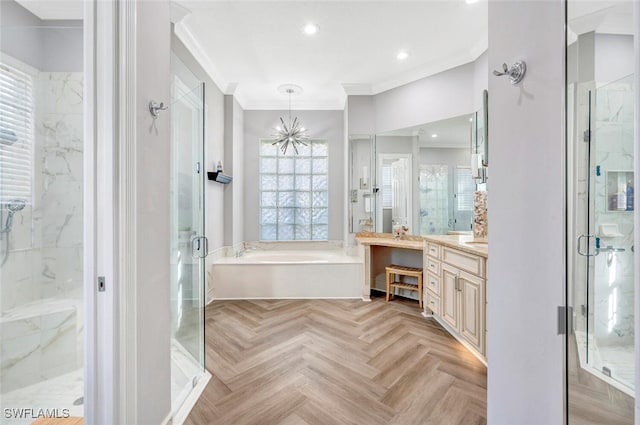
(357, 89)
(423, 72)
(298, 105)
(195, 48)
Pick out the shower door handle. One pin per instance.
(587, 253)
(199, 247)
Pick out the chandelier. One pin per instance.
(291, 133)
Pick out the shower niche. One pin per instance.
(619, 191)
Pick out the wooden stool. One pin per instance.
(392, 283)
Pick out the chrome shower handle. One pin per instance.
(586, 253)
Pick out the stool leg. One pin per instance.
(388, 284)
(420, 290)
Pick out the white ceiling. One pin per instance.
(605, 17)
(252, 47)
(452, 133)
(54, 9)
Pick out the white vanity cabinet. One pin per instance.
(456, 293)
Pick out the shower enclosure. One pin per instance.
(601, 208)
(188, 245)
(604, 273)
(41, 217)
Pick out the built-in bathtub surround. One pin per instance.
(41, 313)
(280, 270)
(480, 216)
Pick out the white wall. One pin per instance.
(326, 125)
(526, 272)
(614, 57)
(153, 44)
(38, 42)
(233, 165)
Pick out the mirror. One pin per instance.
(423, 177)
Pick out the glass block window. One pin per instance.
(294, 192)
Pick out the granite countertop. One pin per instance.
(464, 243)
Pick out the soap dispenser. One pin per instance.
(630, 195)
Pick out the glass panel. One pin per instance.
(600, 286)
(285, 232)
(303, 182)
(303, 216)
(303, 166)
(303, 199)
(320, 232)
(268, 165)
(285, 182)
(269, 182)
(285, 165)
(319, 182)
(286, 199)
(268, 199)
(41, 219)
(269, 216)
(268, 232)
(187, 227)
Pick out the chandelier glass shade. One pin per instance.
(290, 134)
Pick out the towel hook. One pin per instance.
(515, 72)
(155, 108)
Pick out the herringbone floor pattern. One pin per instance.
(331, 362)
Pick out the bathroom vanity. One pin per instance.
(454, 274)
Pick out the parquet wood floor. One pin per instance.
(330, 362)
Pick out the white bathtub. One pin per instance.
(283, 274)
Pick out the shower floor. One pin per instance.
(60, 392)
(56, 393)
(619, 359)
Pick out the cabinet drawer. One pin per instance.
(433, 250)
(468, 262)
(433, 266)
(432, 302)
(432, 283)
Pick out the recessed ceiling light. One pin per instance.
(402, 56)
(471, 1)
(311, 29)
(434, 135)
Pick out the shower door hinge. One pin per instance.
(101, 284)
(586, 136)
(583, 309)
(565, 318)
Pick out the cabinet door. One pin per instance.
(472, 310)
(450, 298)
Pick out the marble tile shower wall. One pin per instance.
(614, 294)
(41, 304)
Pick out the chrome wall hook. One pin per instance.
(155, 108)
(515, 72)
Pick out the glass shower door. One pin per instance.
(601, 353)
(188, 245)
